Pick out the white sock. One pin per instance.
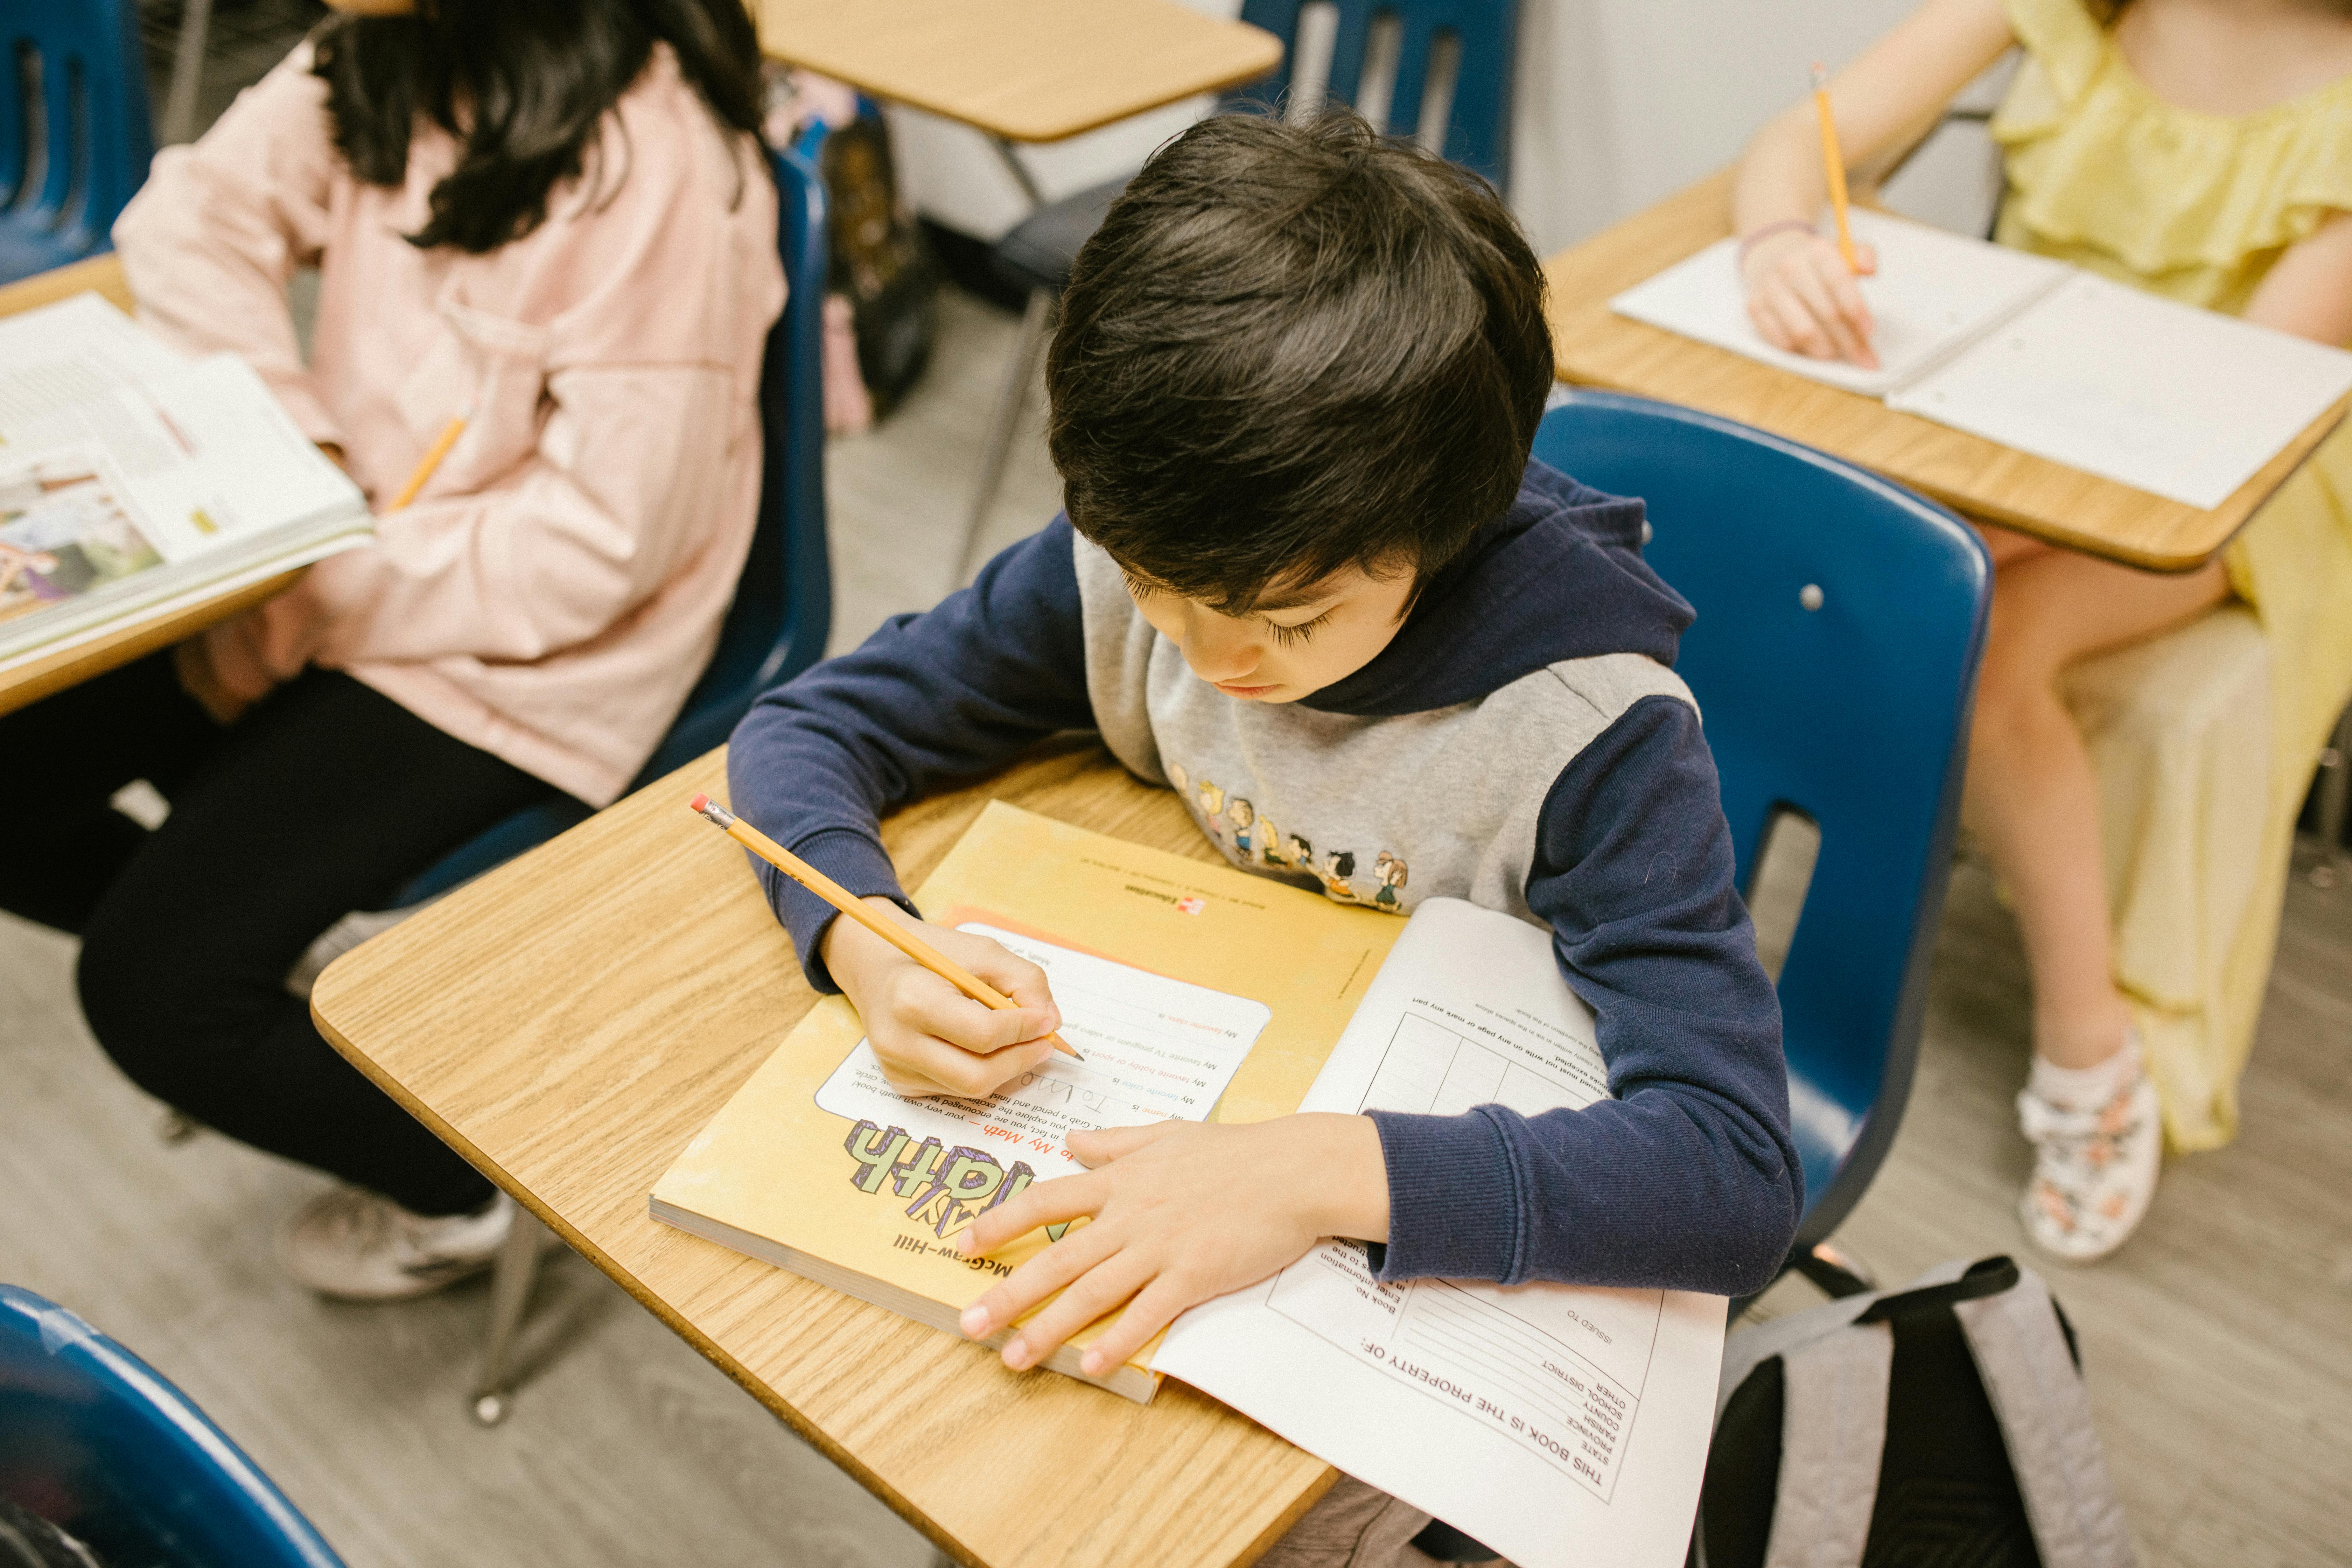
(2086, 1089)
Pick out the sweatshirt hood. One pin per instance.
(1560, 575)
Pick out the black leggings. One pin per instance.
(324, 798)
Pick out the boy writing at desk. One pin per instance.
(1307, 563)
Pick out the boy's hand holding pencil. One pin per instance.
(946, 1011)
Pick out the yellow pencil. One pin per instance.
(1833, 167)
(840, 897)
(431, 460)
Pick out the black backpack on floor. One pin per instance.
(1941, 1426)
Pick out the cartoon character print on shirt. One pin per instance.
(1239, 813)
(1390, 872)
(1339, 866)
(1213, 811)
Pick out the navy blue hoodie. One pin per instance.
(1521, 742)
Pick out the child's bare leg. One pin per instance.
(2031, 798)
(2088, 1107)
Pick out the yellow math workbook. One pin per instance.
(1195, 991)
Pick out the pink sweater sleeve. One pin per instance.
(212, 238)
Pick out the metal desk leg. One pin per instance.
(187, 72)
(1010, 398)
(2335, 793)
(511, 1281)
(1019, 170)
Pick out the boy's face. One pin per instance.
(1295, 640)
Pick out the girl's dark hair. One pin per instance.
(521, 84)
(1291, 349)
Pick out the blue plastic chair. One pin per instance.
(1035, 258)
(101, 1444)
(1841, 620)
(71, 156)
(1482, 33)
(783, 609)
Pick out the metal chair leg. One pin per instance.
(187, 72)
(2335, 795)
(1002, 427)
(511, 1281)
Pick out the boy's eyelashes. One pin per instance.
(1283, 636)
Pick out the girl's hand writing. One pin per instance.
(931, 1037)
(1801, 298)
(1180, 1212)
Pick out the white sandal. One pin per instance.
(2093, 1171)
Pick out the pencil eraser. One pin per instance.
(698, 803)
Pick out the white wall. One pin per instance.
(1618, 103)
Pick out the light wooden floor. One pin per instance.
(2218, 1344)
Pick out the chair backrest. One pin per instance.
(101, 1444)
(1840, 619)
(1438, 69)
(783, 609)
(75, 138)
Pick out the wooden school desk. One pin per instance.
(1980, 479)
(1020, 70)
(137, 637)
(569, 1022)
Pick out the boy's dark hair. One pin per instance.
(1292, 349)
(521, 84)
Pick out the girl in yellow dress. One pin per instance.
(2202, 150)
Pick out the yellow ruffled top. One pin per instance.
(2108, 175)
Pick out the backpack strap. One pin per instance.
(2045, 1420)
(1832, 1436)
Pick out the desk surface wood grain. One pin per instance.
(1980, 478)
(36, 678)
(571, 1021)
(1027, 71)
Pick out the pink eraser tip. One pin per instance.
(698, 803)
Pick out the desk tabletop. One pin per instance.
(569, 1022)
(1027, 70)
(1980, 478)
(134, 638)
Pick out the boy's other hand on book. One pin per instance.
(1803, 301)
(1181, 1212)
(930, 1037)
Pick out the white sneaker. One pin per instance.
(2093, 1171)
(357, 1246)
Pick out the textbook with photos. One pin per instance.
(1199, 992)
(132, 479)
(2040, 355)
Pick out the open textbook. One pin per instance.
(1192, 989)
(2041, 356)
(1557, 1424)
(1550, 1422)
(131, 478)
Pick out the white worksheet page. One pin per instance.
(1157, 1049)
(1557, 1424)
(2147, 392)
(1934, 293)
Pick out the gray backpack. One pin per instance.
(1941, 1426)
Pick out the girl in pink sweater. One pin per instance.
(551, 218)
